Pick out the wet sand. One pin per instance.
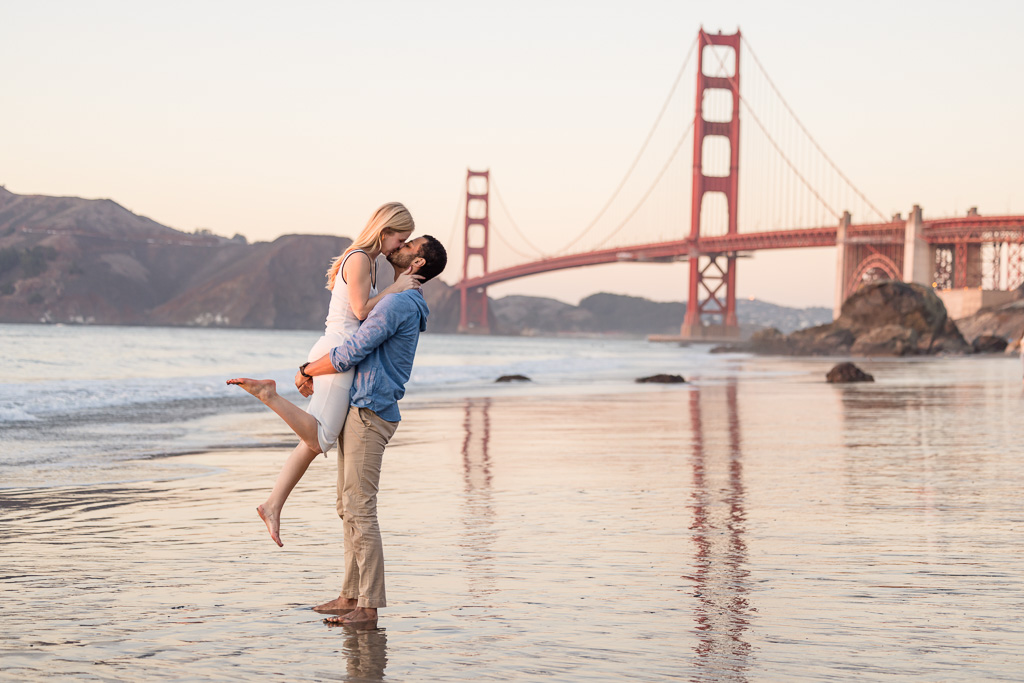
(770, 528)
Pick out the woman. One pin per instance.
(321, 423)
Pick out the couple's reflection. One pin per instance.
(719, 518)
(366, 649)
(366, 653)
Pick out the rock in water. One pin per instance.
(848, 372)
(662, 379)
(513, 378)
(885, 318)
(989, 343)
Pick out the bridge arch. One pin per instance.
(874, 267)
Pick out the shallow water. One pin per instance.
(765, 526)
(77, 403)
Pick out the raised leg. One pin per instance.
(302, 423)
(293, 469)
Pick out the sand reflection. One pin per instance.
(722, 577)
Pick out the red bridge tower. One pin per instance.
(473, 300)
(712, 291)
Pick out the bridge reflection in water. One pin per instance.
(477, 543)
(721, 577)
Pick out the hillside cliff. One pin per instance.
(65, 259)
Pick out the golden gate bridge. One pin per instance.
(795, 196)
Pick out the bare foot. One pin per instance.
(338, 605)
(360, 616)
(263, 389)
(273, 522)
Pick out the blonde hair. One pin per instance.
(392, 217)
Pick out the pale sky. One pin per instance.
(268, 118)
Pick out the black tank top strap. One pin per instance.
(373, 267)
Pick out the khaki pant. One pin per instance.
(359, 462)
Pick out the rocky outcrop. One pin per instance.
(884, 318)
(1006, 321)
(888, 340)
(847, 372)
(770, 341)
(817, 340)
(988, 343)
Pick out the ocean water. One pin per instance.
(79, 402)
(755, 524)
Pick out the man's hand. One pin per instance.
(303, 384)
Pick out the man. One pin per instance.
(382, 352)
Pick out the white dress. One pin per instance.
(329, 403)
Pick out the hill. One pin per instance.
(606, 313)
(65, 259)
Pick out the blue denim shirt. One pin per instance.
(382, 350)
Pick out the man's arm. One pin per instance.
(320, 366)
(382, 323)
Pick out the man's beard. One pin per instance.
(398, 262)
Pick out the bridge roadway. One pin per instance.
(974, 229)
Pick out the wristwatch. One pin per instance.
(302, 371)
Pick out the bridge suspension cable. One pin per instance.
(509, 245)
(657, 179)
(789, 163)
(455, 223)
(778, 148)
(806, 132)
(512, 222)
(639, 155)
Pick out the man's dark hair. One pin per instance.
(435, 256)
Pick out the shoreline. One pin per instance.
(247, 426)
